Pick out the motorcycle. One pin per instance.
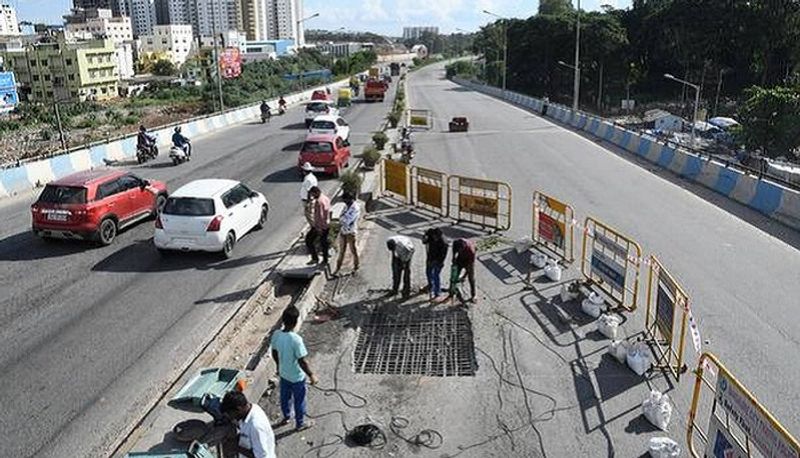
(407, 154)
(282, 109)
(265, 116)
(145, 153)
(179, 155)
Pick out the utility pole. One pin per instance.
(576, 87)
(216, 56)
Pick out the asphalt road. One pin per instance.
(91, 334)
(741, 270)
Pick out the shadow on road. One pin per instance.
(287, 175)
(293, 147)
(25, 246)
(295, 126)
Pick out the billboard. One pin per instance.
(8, 92)
(230, 63)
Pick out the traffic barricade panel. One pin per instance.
(666, 317)
(483, 202)
(395, 179)
(420, 119)
(610, 262)
(553, 228)
(429, 190)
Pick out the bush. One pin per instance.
(351, 182)
(371, 156)
(394, 118)
(380, 140)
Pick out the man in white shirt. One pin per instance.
(402, 249)
(256, 439)
(309, 181)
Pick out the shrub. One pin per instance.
(371, 156)
(351, 182)
(394, 118)
(380, 140)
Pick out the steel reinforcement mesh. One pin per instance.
(432, 343)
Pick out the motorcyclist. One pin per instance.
(145, 140)
(179, 140)
(282, 105)
(266, 112)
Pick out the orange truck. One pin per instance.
(375, 90)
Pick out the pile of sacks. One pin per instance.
(551, 268)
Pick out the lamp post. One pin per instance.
(505, 44)
(576, 84)
(297, 31)
(696, 88)
(722, 71)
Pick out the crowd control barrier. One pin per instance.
(482, 202)
(394, 179)
(420, 119)
(738, 425)
(610, 261)
(429, 190)
(667, 307)
(552, 226)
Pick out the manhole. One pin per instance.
(433, 343)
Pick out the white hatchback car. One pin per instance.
(318, 108)
(333, 125)
(209, 215)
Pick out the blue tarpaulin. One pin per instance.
(323, 74)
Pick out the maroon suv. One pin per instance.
(95, 205)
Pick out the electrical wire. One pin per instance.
(428, 438)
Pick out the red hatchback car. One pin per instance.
(95, 205)
(326, 153)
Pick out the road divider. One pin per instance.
(766, 196)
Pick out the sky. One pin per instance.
(387, 17)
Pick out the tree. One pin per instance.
(164, 67)
(770, 120)
(554, 7)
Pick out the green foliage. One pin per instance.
(555, 6)
(770, 120)
(447, 45)
(351, 182)
(464, 68)
(371, 156)
(380, 140)
(163, 67)
(394, 118)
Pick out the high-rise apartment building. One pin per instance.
(100, 23)
(173, 12)
(412, 33)
(173, 42)
(113, 5)
(254, 19)
(142, 14)
(8, 21)
(214, 15)
(284, 20)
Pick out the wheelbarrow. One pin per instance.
(459, 124)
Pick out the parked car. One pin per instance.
(95, 205)
(209, 215)
(335, 125)
(318, 108)
(327, 153)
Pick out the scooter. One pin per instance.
(145, 153)
(179, 155)
(265, 116)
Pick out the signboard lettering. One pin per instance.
(230, 63)
(609, 270)
(611, 245)
(480, 184)
(8, 92)
(665, 309)
(482, 206)
(551, 230)
(721, 444)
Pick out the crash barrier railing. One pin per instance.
(395, 179)
(420, 119)
(738, 425)
(429, 190)
(667, 307)
(610, 262)
(483, 202)
(552, 226)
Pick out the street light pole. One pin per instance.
(216, 57)
(297, 30)
(719, 88)
(696, 88)
(505, 45)
(576, 85)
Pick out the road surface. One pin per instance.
(741, 270)
(91, 334)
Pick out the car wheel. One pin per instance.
(107, 232)
(262, 219)
(161, 200)
(227, 247)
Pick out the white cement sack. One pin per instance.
(553, 271)
(657, 409)
(567, 294)
(608, 325)
(590, 308)
(596, 298)
(538, 260)
(663, 447)
(638, 358)
(522, 245)
(619, 350)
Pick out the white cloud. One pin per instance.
(373, 10)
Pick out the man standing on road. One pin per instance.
(347, 231)
(320, 227)
(463, 259)
(289, 353)
(256, 439)
(309, 181)
(434, 260)
(402, 249)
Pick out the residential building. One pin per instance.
(8, 21)
(66, 71)
(126, 62)
(266, 49)
(340, 49)
(142, 14)
(412, 33)
(116, 29)
(230, 39)
(113, 5)
(173, 12)
(254, 18)
(284, 20)
(172, 41)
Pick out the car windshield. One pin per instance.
(63, 195)
(317, 107)
(317, 147)
(323, 125)
(189, 206)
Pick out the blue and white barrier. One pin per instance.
(762, 195)
(37, 173)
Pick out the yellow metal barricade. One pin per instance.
(667, 307)
(738, 425)
(420, 119)
(483, 202)
(610, 261)
(553, 228)
(394, 179)
(429, 190)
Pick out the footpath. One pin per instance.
(519, 374)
